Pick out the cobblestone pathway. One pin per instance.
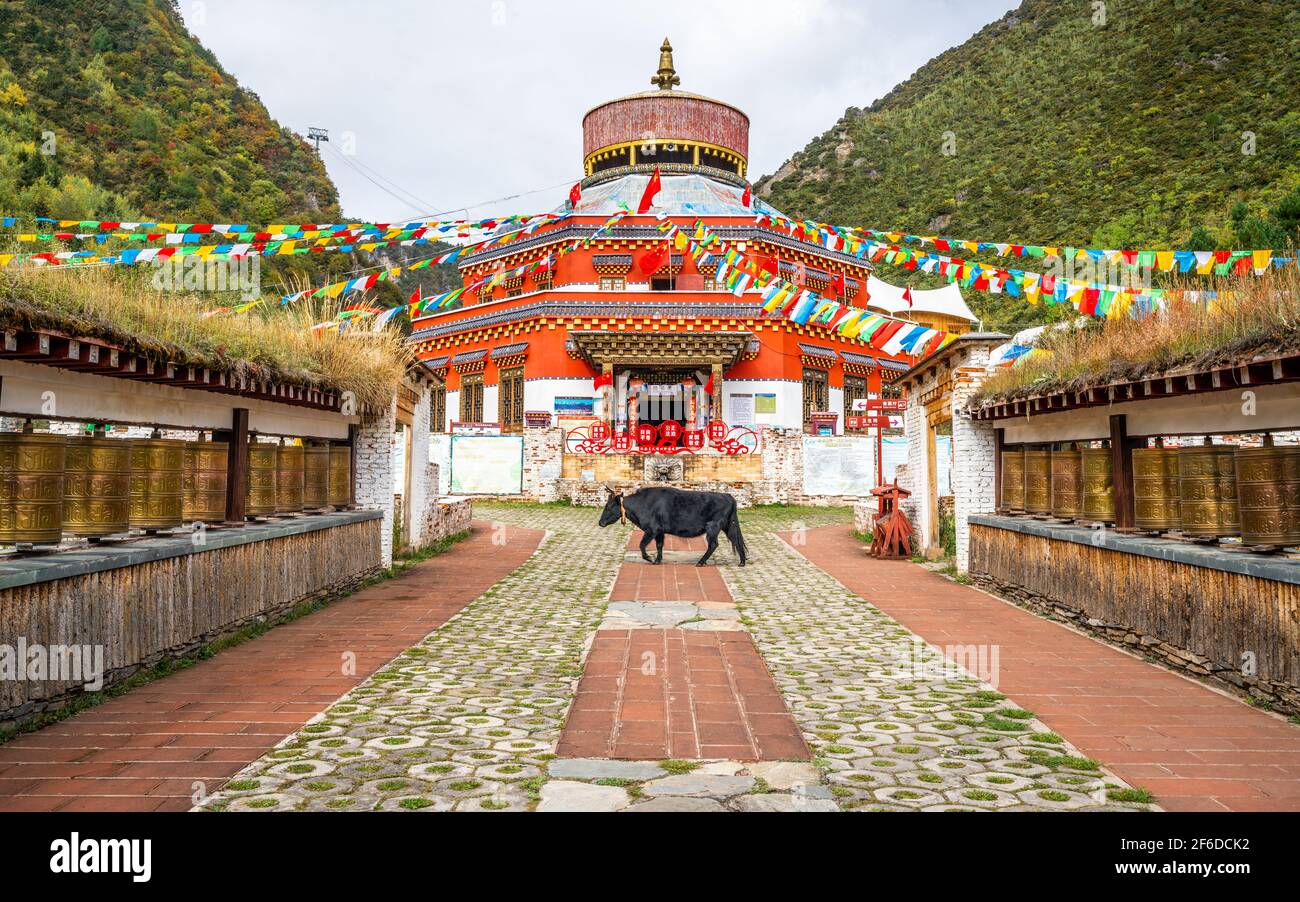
(469, 718)
(892, 726)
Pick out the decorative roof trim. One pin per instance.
(511, 350)
(819, 351)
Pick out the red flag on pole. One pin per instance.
(602, 380)
(575, 194)
(748, 198)
(838, 285)
(907, 295)
(654, 260)
(651, 191)
(708, 386)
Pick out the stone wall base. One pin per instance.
(1282, 697)
(446, 517)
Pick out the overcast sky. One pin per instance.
(453, 105)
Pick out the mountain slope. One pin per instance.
(1127, 131)
(145, 122)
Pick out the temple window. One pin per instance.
(514, 292)
(613, 283)
(510, 399)
(438, 409)
(816, 393)
(855, 389)
(471, 398)
(661, 283)
(710, 285)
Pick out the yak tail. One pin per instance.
(735, 538)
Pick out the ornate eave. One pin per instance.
(602, 348)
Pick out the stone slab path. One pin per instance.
(1194, 748)
(161, 746)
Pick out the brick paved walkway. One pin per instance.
(1194, 748)
(158, 746)
(671, 693)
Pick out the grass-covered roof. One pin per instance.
(1250, 318)
(269, 343)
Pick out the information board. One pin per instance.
(838, 465)
(487, 464)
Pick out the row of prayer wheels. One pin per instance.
(95, 486)
(1202, 491)
(288, 479)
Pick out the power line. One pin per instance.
(365, 175)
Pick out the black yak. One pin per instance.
(660, 512)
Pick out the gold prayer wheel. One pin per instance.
(206, 472)
(8, 485)
(36, 487)
(97, 486)
(1067, 484)
(262, 462)
(1013, 482)
(1038, 482)
(289, 473)
(1268, 494)
(1098, 485)
(340, 491)
(316, 476)
(157, 483)
(1156, 491)
(1207, 482)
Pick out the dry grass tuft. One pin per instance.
(270, 343)
(1254, 316)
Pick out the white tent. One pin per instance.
(947, 300)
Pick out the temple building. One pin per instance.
(581, 338)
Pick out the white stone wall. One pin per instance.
(973, 453)
(543, 460)
(916, 479)
(374, 489)
(974, 456)
(424, 485)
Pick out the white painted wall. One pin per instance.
(540, 394)
(789, 399)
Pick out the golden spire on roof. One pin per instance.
(667, 76)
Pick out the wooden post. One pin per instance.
(352, 463)
(998, 439)
(236, 465)
(715, 401)
(1121, 456)
(610, 416)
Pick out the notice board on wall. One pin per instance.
(440, 454)
(838, 464)
(487, 464)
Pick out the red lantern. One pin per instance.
(694, 439)
(670, 431)
(622, 442)
(717, 430)
(645, 434)
(600, 432)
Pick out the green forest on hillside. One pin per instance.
(1125, 130)
(112, 110)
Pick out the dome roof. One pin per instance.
(681, 195)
